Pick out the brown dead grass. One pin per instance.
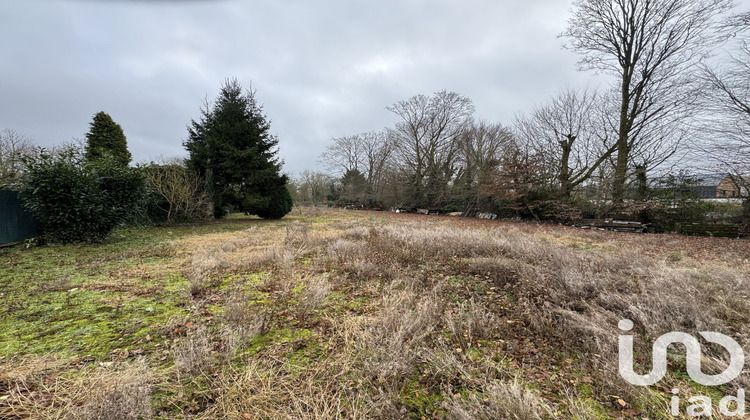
(377, 315)
(502, 400)
(37, 390)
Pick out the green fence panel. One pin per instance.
(16, 223)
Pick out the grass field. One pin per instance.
(336, 314)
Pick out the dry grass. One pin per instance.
(470, 322)
(244, 319)
(275, 390)
(389, 343)
(193, 354)
(501, 400)
(115, 391)
(399, 316)
(313, 295)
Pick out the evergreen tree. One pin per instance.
(106, 138)
(232, 148)
(354, 187)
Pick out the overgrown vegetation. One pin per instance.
(76, 200)
(334, 314)
(679, 100)
(174, 194)
(79, 193)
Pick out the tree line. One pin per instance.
(678, 72)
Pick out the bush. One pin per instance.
(79, 201)
(451, 208)
(174, 194)
(277, 205)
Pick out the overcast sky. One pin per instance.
(322, 69)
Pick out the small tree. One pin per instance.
(76, 200)
(354, 187)
(106, 139)
(175, 193)
(515, 185)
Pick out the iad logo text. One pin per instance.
(702, 405)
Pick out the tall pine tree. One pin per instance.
(106, 139)
(232, 147)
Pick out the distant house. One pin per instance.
(718, 186)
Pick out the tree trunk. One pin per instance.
(623, 138)
(564, 177)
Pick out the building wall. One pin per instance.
(727, 188)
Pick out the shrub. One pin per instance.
(276, 205)
(79, 201)
(174, 194)
(669, 217)
(675, 202)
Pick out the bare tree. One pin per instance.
(653, 48)
(426, 142)
(180, 189)
(729, 110)
(480, 150)
(378, 150)
(570, 134)
(13, 146)
(365, 153)
(520, 172)
(344, 154)
(313, 187)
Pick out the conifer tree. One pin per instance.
(232, 148)
(106, 139)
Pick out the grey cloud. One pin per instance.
(322, 69)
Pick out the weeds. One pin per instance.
(118, 393)
(313, 295)
(471, 322)
(193, 354)
(274, 389)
